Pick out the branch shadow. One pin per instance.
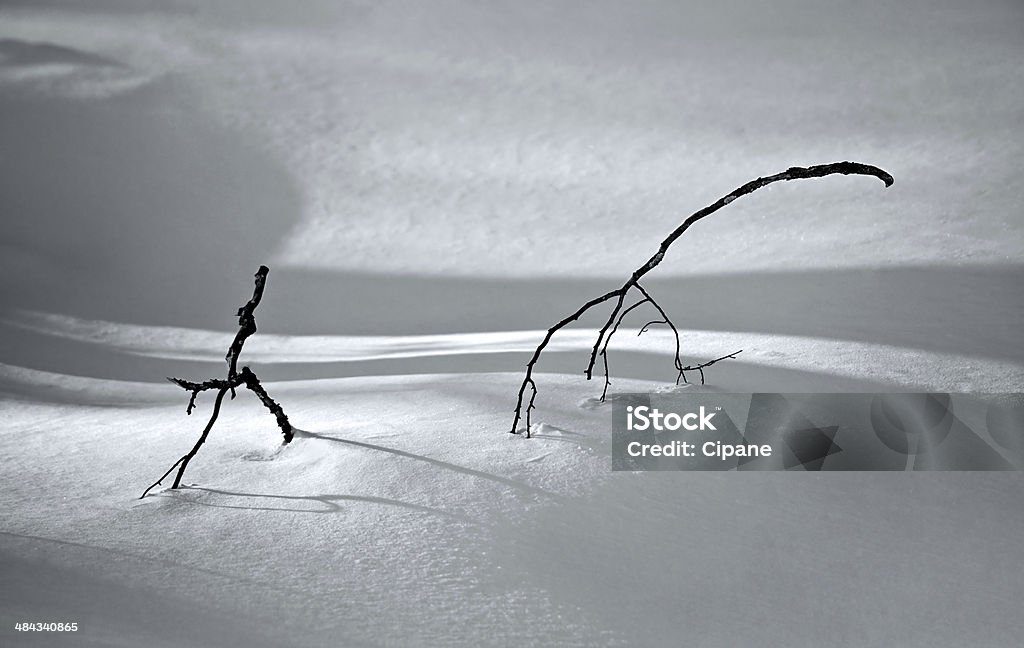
(121, 555)
(330, 502)
(21, 53)
(113, 588)
(512, 483)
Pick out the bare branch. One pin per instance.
(183, 462)
(247, 326)
(675, 332)
(246, 323)
(619, 294)
(253, 383)
(195, 387)
(528, 380)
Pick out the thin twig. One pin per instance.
(704, 365)
(608, 339)
(648, 325)
(183, 462)
(528, 380)
(195, 388)
(677, 360)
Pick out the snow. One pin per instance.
(434, 184)
(381, 524)
(403, 513)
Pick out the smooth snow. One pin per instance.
(433, 184)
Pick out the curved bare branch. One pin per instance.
(619, 294)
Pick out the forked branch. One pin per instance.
(600, 348)
(235, 378)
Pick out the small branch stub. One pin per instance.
(619, 295)
(244, 378)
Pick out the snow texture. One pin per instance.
(434, 184)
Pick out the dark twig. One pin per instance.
(608, 339)
(183, 462)
(678, 361)
(619, 294)
(247, 326)
(195, 388)
(253, 383)
(704, 365)
(246, 323)
(528, 380)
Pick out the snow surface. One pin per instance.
(403, 514)
(433, 184)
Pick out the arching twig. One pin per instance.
(619, 295)
(675, 331)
